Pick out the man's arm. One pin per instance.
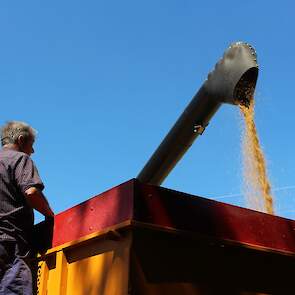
(37, 200)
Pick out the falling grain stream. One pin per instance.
(257, 187)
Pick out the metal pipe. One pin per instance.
(233, 81)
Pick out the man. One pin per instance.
(20, 193)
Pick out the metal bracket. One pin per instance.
(198, 128)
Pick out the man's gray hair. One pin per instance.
(13, 129)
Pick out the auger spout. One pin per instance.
(233, 81)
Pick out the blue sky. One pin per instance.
(103, 82)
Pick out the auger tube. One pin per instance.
(233, 81)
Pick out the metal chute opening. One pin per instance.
(245, 88)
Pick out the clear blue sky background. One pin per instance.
(103, 82)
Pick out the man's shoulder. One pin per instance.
(11, 155)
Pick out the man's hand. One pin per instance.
(37, 200)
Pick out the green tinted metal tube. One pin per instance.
(233, 80)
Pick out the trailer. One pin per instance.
(143, 239)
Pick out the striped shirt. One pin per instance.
(17, 174)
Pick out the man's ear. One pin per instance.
(20, 140)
